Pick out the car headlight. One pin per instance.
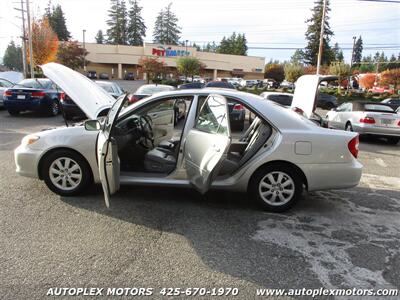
(29, 139)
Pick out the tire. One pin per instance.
(81, 177)
(348, 127)
(393, 140)
(54, 109)
(272, 196)
(13, 112)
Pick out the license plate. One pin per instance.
(20, 96)
(386, 121)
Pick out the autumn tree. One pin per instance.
(189, 66)
(44, 42)
(391, 77)
(274, 71)
(70, 54)
(293, 71)
(367, 81)
(152, 67)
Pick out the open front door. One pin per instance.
(207, 143)
(107, 152)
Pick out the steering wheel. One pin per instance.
(147, 131)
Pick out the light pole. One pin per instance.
(31, 60)
(84, 47)
(352, 51)
(186, 42)
(321, 37)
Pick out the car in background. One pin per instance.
(270, 83)
(148, 90)
(92, 74)
(39, 95)
(191, 85)
(129, 76)
(326, 101)
(393, 102)
(71, 110)
(323, 100)
(104, 76)
(4, 84)
(252, 83)
(287, 85)
(366, 118)
(380, 90)
(219, 84)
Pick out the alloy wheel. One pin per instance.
(276, 188)
(65, 173)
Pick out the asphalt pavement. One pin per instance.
(162, 237)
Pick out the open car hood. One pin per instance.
(306, 92)
(89, 96)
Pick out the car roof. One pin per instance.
(276, 93)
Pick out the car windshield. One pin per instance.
(107, 87)
(35, 83)
(377, 107)
(152, 89)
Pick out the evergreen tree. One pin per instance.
(166, 29)
(99, 37)
(313, 36)
(57, 21)
(358, 48)
(338, 53)
(13, 57)
(235, 44)
(117, 22)
(297, 57)
(136, 26)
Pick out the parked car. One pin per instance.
(380, 90)
(251, 83)
(92, 74)
(326, 101)
(271, 161)
(323, 100)
(129, 76)
(288, 85)
(40, 95)
(148, 90)
(191, 85)
(4, 85)
(366, 118)
(104, 76)
(270, 83)
(393, 102)
(219, 84)
(71, 110)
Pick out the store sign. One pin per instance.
(168, 52)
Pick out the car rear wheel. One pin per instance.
(53, 109)
(276, 187)
(66, 173)
(13, 112)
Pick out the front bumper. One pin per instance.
(377, 130)
(27, 161)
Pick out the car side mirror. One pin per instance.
(92, 125)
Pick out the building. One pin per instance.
(117, 60)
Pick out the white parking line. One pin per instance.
(380, 162)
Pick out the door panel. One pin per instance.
(207, 143)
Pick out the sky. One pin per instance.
(266, 23)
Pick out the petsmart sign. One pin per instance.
(169, 52)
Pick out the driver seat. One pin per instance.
(158, 161)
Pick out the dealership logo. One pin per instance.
(169, 52)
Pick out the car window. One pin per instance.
(149, 90)
(377, 107)
(35, 83)
(212, 117)
(342, 107)
(5, 83)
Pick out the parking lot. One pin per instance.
(178, 238)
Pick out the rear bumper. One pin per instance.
(33, 105)
(378, 131)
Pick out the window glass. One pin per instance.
(4, 83)
(213, 116)
(377, 107)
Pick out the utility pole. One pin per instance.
(186, 42)
(352, 51)
(23, 37)
(321, 38)
(32, 66)
(84, 47)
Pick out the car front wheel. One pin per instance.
(66, 173)
(276, 187)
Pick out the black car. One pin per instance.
(40, 95)
(326, 101)
(393, 102)
(92, 74)
(129, 76)
(191, 85)
(219, 84)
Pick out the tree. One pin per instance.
(293, 71)
(57, 22)
(44, 42)
(99, 37)
(313, 36)
(391, 77)
(136, 27)
(367, 80)
(340, 69)
(152, 67)
(358, 48)
(117, 22)
(189, 66)
(298, 57)
(210, 47)
(274, 71)
(338, 53)
(13, 57)
(235, 44)
(70, 54)
(166, 29)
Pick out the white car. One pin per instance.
(279, 155)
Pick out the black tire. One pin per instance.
(295, 184)
(53, 109)
(348, 127)
(86, 172)
(393, 140)
(13, 112)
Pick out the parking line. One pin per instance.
(380, 162)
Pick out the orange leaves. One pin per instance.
(367, 81)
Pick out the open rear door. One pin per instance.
(207, 143)
(107, 152)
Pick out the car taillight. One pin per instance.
(238, 107)
(353, 146)
(61, 96)
(133, 99)
(367, 120)
(7, 94)
(398, 124)
(38, 94)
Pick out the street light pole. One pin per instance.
(31, 62)
(321, 38)
(186, 53)
(352, 51)
(84, 47)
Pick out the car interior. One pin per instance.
(149, 140)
